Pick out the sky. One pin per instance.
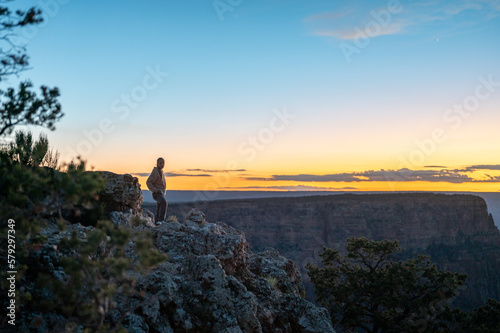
(276, 95)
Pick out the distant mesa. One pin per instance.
(455, 230)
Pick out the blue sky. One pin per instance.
(231, 63)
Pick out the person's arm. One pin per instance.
(153, 177)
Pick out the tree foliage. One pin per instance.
(37, 191)
(31, 152)
(95, 272)
(13, 57)
(485, 319)
(367, 290)
(22, 106)
(96, 268)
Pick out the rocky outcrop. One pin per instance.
(122, 199)
(300, 227)
(211, 282)
(122, 192)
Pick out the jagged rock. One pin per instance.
(214, 283)
(284, 271)
(129, 218)
(182, 239)
(122, 192)
(196, 216)
(121, 218)
(148, 215)
(136, 324)
(122, 198)
(211, 282)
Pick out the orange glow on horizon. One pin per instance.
(235, 180)
(212, 184)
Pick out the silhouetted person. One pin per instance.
(157, 185)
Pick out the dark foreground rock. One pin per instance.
(212, 282)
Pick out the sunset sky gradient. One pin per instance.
(280, 95)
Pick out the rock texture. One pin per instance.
(211, 282)
(122, 199)
(214, 283)
(456, 230)
(123, 192)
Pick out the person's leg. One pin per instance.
(158, 198)
(157, 215)
(162, 207)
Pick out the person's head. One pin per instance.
(160, 163)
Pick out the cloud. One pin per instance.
(186, 173)
(175, 174)
(341, 177)
(358, 32)
(325, 16)
(293, 188)
(482, 167)
(215, 170)
(490, 179)
(401, 175)
(458, 7)
(141, 174)
(494, 4)
(371, 21)
(439, 174)
(171, 174)
(406, 175)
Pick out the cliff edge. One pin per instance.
(211, 281)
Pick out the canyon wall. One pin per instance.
(455, 230)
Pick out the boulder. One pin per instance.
(195, 216)
(122, 192)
